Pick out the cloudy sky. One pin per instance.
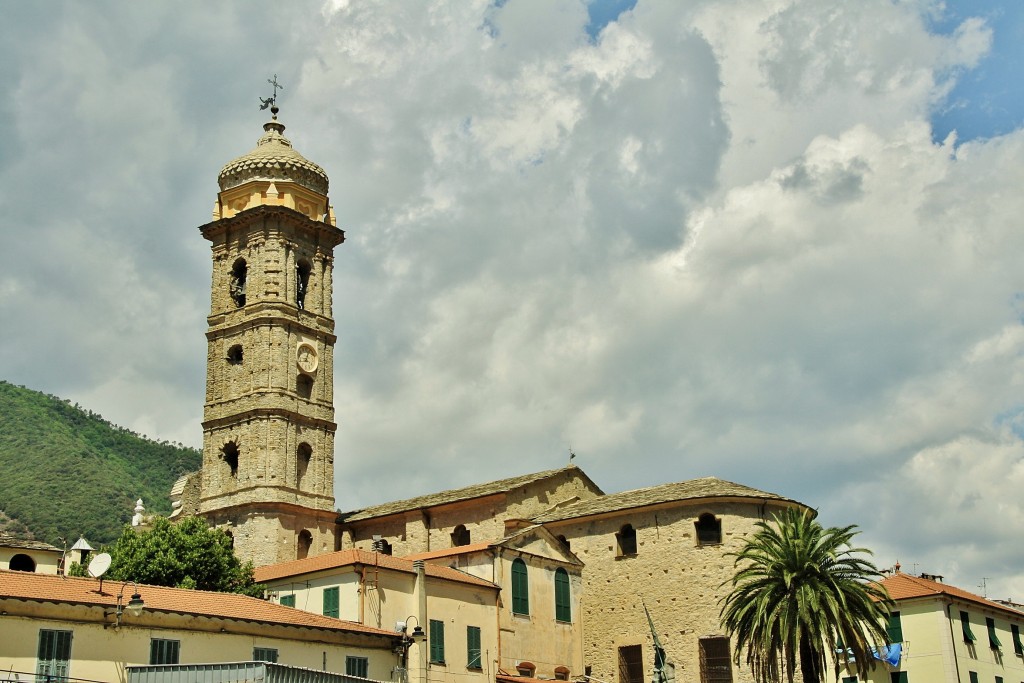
(773, 241)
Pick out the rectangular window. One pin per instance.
(473, 647)
(163, 651)
(288, 600)
(849, 679)
(54, 654)
(357, 666)
(999, 679)
(631, 664)
(264, 654)
(973, 676)
(715, 662)
(894, 628)
(436, 641)
(965, 622)
(1018, 647)
(563, 596)
(993, 639)
(331, 602)
(898, 677)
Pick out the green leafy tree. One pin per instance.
(185, 555)
(799, 591)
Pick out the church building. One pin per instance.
(583, 581)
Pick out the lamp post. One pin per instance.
(135, 603)
(417, 636)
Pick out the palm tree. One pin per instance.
(802, 591)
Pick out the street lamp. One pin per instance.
(135, 603)
(417, 636)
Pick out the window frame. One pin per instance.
(626, 541)
(436, 641)
(894, 628)
(563, 596)
(630, 663)
(164, 651)
(355, 663)
(49, 663)
(993, 639)
(708, 530)
(965, 625)
(331, 606)
(264, 654)
(520, 588)
(474, 650)
(1018, 646)
(287, 600)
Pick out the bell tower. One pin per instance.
(268, 423)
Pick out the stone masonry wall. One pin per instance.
(680, 581)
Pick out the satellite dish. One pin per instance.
(99, 565)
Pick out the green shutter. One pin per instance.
(331, 602)
(965, 622)
(473, 647)
(898, 677)
(436, 641)
(1018, 647)
(288, 600)
(163, 651)
(54, 654)
(849, 679)
(993, 639)
(894, 629)
(973, 675)
(357, 666)
(563, 607)
(520, 588)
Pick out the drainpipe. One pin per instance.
(421, 616)
(952, 639)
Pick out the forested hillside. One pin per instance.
(65, 471)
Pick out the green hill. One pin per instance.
(65, 471)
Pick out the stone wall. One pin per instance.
(680, 580)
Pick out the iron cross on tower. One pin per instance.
(271, 101)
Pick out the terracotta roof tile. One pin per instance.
(904, 586)
(449, 552)
(81, 591)
(707, 487)
(456, 495)
(343, 558)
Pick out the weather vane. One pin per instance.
(271, 101)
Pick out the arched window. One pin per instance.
(239, 272)
(563, 608)
(22, 563)
(304, 386)
(709, 529)
(235, 354)
(383, 547)
(303, 455)
(229, 454)
(302, 270)
(460, 536)
(561, 673)
(305, 542)
(626, 541)
(520, 588)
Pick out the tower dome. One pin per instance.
(274, 159)
(273, 174)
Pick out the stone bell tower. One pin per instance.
(268, 424)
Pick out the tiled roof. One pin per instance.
(68, 590)
(343, 558)
(904, 586)
(707, 487)
(449, 552)
(8, 541)
(456, 495)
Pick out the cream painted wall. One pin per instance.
(100, 654)
(934, 647)
(46, 560)
(309, 592)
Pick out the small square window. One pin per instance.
(264, 654)
(162, 651)
(357, 666)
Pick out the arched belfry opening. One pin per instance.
(302, 271)
(239, 274)
(304, 543)
(303, 456)
(229, 454)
